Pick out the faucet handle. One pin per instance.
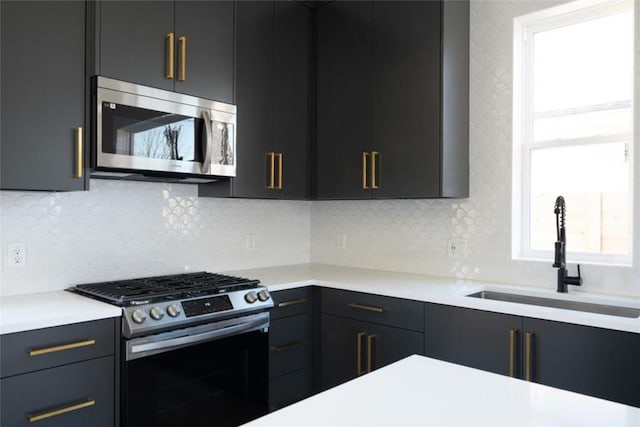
(574, 280)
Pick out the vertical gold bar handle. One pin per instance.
(280, 162)
(370, 343)
(513, 333)
(79, 169)
(365, 185)
(374, 181)
(528, 338)
(170, 55)
(359, 370)
(183, 58)
(272, 167)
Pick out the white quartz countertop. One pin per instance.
(441, 290)
(419, 391)
(20, 313)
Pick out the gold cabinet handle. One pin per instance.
(291, 302)
(359, 337)
(513, 334)
(65, 409)
(374, 182)
(291, 346)
(46, 350)
(182, 41)
(370, 342)
(280, 162)
(365, 158)
(366, 307)
(170, 55)
(528, 338)
(272, 170)
(79, 170)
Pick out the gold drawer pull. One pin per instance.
(374, 182)
(79, 154)
(370, 343)
(62, 347)
(365, 160)
(280, 162)
(170, 56)
(291, 302)
(182, 41)
(272, 170)
(366, 307)
(48, 414)
(291, 346)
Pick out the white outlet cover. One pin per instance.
(16, 254)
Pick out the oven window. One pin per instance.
(138, 132)
(217, 383)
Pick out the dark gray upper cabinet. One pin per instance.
(185, 46)
(272, 86)
(43, 89)
(392, 100)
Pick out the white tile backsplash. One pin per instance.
(125, 229)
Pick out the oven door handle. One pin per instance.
(136, 351)
(208, 141)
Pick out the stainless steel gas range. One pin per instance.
(194, 348)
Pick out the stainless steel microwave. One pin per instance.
(143, 132)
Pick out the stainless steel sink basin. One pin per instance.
(611, 310)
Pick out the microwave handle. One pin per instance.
(208, 141)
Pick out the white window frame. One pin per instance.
(524, 29)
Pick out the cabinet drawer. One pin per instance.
(389, 311)
(80, 394)
(45, 348)
(289, 388)
(290, 343)
(291, 302)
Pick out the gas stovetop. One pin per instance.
(151, 304)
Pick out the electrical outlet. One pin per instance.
(250, 242)
(457, 249)
(341, 240)
(16, 254)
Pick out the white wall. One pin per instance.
(124, 229)
(412, 235)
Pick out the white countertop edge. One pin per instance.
(20, 313)
(446, 291)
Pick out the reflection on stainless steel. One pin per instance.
(611, 310)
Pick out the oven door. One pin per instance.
(208, 375)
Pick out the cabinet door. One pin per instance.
(43, 87)
(475, 338)
(292, 49)
(342, 341)
(406, 97)
(593, 361)
(386, 345)
(344, 99)
(208, 28)
(254, 87)
(133, 41)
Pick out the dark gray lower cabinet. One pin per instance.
(368, 332)
(290, 347)
(475, 338)
(593, 361)
(75, 395)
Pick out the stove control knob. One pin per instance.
(263, 295)
(174, 310)
(251, 297)
(139, 315)
(156, 313)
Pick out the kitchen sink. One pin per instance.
(610, 310)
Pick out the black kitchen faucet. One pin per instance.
(560, 261)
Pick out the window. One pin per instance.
(573, 130)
